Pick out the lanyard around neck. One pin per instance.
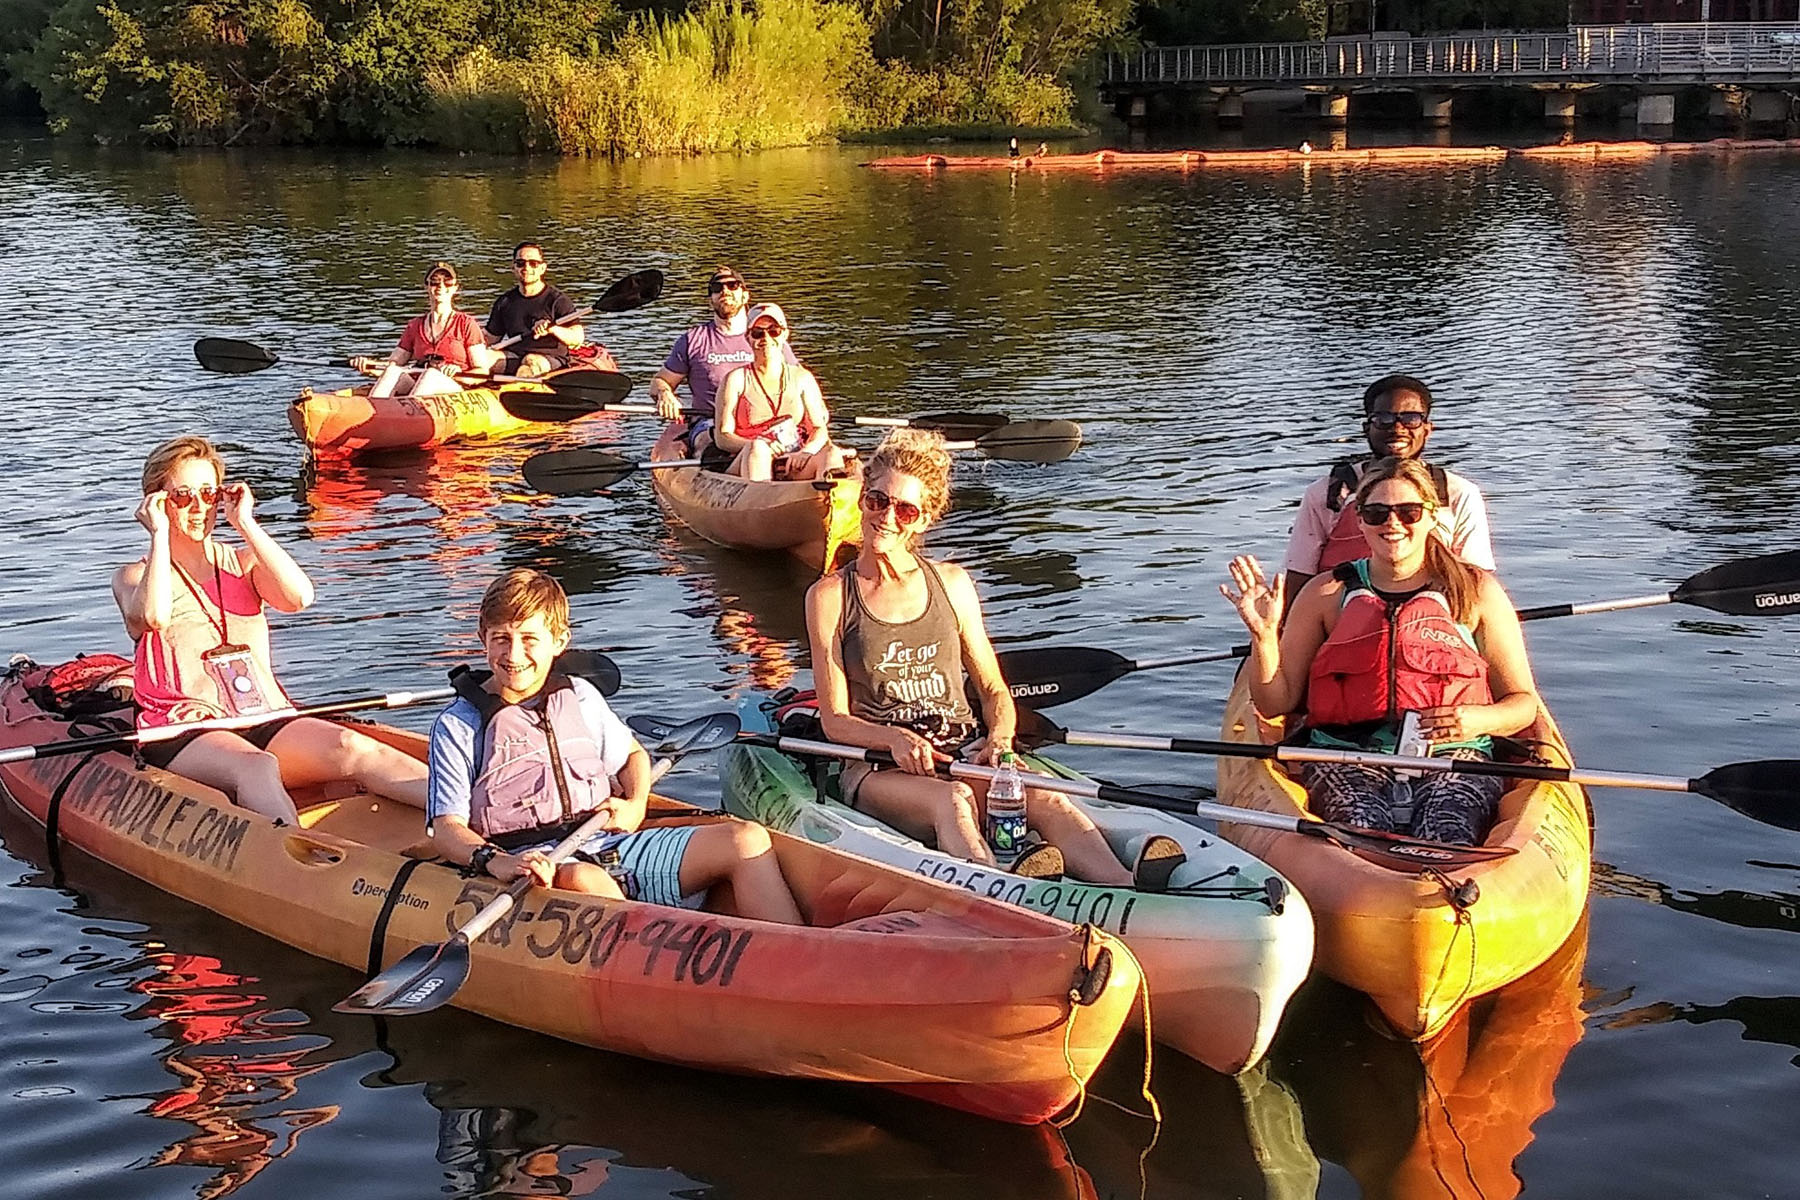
(224, 619)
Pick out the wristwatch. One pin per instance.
(484, 854)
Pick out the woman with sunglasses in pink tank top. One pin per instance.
(194, 607)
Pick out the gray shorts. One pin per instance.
(649, 866)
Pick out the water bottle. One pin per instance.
(1006, 809)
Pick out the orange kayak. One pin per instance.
(1417, 942)
(816, 521)
(349, 420)
(897, 980)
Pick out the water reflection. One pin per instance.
(542, 1117)
(1445, 1119)
(240, 1065)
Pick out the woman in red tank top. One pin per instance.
(437, 346)
(771, 414)
(194, 606)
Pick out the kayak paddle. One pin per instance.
(591, 665)
(581, 471)
(1409, 852)
(572, 395)
(1032, 441)
(429, 976)
(1767, 585)
(1766, 791)
(955, 426)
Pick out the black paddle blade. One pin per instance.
(1766, 791)
(634, 291)
(1408, 853)
(592, 666)
(961, 426)
(1034, 729)
(1043, 676)
(573, 394)
(422, 981)
(1036, 441)
(574, 472)
(1765, 586)
(228, 356)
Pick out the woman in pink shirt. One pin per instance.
(194, 606)
(437, 345)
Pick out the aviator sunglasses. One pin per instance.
(1410, 512)
(767, 332)
(184, 497)
(724, 285)
(1387, 420)
(875, 502)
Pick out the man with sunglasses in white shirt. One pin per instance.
(1397, 422)
(706, 354)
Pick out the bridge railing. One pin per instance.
(1709, 50)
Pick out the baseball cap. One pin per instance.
(771, 311)
(440, 268)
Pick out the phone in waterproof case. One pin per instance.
(234, 670)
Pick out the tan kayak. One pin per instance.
(1421, 943)
(897, 980)
(816, 521)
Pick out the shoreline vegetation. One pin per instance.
(574, 77)
(616, 78)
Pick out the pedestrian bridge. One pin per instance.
(1764, 52)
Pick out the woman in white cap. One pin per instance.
(436, 346)
(771, 416)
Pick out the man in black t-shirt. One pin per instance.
(534, 313)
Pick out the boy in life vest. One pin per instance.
(1397, 422)
(526, 753)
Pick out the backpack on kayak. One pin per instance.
(88, 685)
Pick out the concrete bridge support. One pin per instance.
(1559, 107)
(1434, 108)
(1655, 110)
(1231, 109)
(1332, 108)
(1766, 108)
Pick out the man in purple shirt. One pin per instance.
(706, 354)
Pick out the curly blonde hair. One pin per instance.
(921, 454)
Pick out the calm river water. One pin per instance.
(1615, 351)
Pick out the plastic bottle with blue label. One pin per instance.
(1006, 809)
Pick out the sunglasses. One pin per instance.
(184, 497)
(766, 332)
(1410, 512)
(528, 262)
(875, 501)
(724, 285)
(1387, 420)
(440, 282)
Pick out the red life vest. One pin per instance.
(1345, 542)
(1385, 659)
(515, 786)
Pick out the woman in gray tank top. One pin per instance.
(892, 637)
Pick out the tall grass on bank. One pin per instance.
(720, 77)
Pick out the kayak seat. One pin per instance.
(917, 924)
